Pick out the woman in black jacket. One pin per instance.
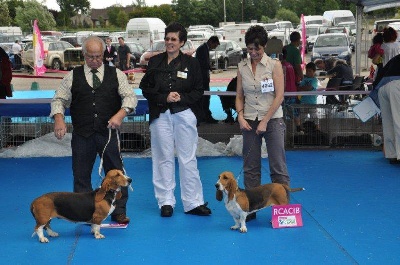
(172, 85)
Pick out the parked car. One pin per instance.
(136, 49)
(7, 47)
(312, 32)
(58, 55)
(74, 40)
(343, 29)
(228, 53)
(335, 45)
(159, 47)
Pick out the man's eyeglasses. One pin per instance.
(170, 39)
(94, 57)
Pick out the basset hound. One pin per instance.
(240, 202)
(90, 207)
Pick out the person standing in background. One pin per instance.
(390, 45)
(124, 55)
(203, 56)
(293, 54)
(99, 98)
(17, 50)
(110, 54)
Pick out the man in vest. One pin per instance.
(99, 98)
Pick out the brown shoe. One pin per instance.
(120, 218)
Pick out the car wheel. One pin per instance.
(56, 64)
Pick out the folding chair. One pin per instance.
(333, 84)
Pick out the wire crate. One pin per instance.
(15, 131)
(330, 126)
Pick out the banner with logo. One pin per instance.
(286, 216)
(303, 41)
(39, 56)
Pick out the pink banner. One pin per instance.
(303, 41)
(39, 58)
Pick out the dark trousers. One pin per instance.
(17, 61)
(206, 101)
(84, 153)
(275, 141)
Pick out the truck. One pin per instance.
(314, 19)
(334, 17)
(145, 30)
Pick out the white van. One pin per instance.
(11, 31)
(236, 32)
(334, 17)
(317, 20)
(145, 30)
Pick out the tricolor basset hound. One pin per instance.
(240, 202)
(90, 207)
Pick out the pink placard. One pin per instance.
(286, 216)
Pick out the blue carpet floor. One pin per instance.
(350, 216)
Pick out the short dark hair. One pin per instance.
(295, 36)
(120, 38)
(213, 39)
(256, 35)
(389, 34)
(177, 27)
(311, 66)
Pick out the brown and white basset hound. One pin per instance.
(89, 207)
(240, 202)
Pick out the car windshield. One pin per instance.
(221, 47)
(311, 31)
(158, 46)
(331, 41)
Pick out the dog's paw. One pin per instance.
(97, 235)
(243, 229)
(234, 227)
(43, 240)
(52, 233)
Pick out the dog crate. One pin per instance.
(15, 131)
(330, 126)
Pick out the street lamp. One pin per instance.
(224, 13)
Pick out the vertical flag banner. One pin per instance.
(38, 59)
(303, 41)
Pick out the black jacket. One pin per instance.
(112, 53)
(182, 75)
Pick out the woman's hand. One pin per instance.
(262, 127)
(173, 97)
(244, 125)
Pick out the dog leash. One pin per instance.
(119, 150)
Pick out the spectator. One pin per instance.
(124, 55)
(99, 98)
(290, 86)
(259, 95)
(110, 54)
(172, 85)
(388, 85)
(293, 54)
(228, 102)
(390, 46)
(17, 50)
(5, 75)
(203, 55)
(310, 83)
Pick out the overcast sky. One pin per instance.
(52, 4)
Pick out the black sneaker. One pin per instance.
(167, 211)
(201, 210)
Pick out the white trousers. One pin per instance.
(178, 132)
(389, 99)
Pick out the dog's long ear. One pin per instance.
(219, 195)
(105, 186)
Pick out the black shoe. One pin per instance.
(120, 218)
(394, 161)
(202, 210)
(211, 120)
(229, 120)
(167, 211)
(250, 217)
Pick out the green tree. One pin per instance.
(76, 6)
(12, 5)
(34, 10)
(112, 13)
(286, 14)
(5, 19)
(122, 19)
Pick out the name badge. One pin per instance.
(182, 75)
(267, 86)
